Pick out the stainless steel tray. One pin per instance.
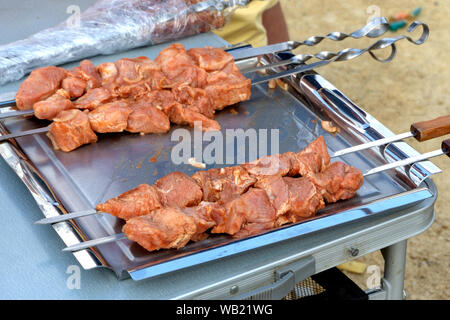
(67, 182)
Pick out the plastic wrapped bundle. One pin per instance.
(111, 26)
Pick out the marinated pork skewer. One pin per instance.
(248, 214)
(181, 86)
(217, 185)
(207, 69)
(373, 29)
(146, 239)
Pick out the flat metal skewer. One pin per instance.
(72, 215)
(422, 131)
(92, 243)
(372, 144)
(23, 133)
(445, 149)
(19, 113)
(8, 103)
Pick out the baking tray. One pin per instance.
(67, 182)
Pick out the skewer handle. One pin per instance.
(446, 147)
(426, 130)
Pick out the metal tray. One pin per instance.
(67, 182)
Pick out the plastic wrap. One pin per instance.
(111, 26)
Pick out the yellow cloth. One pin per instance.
(245, 24)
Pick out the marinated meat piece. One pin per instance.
(195, 99)
(81, 78)
(338, 182)
(136, 202)
(227, 87)
(132, 77)
(110, 117)
(169, 52)
(180, 115)
(162, 229)
(304, 198)
(278, 192)
(74, 85)
(108, 74)
(147, 68)
(249, 214)
(93, 98)
(223, 185)
(161, 99)
(70, 130)
(205, 216)
(278, 164)
(210, 59)
(147, 119)
(128, 71)
(178, 190)
(227, 94)
(314, 158)
(40, 84)
(179, 68)
(306, 163)
(88, 72)
(52, 106)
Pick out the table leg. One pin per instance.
(394, 270)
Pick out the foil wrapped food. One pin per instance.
(111, 26)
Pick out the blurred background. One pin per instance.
(411, 88)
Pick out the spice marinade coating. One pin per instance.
(239, 200)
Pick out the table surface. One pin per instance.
(32, 265)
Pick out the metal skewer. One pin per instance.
(445, 149)
(351, 53)
(422, 131)
(6, 104)
(23, 133)
(72, 215)
(16, 114)
(92, 243)
(373, 29)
